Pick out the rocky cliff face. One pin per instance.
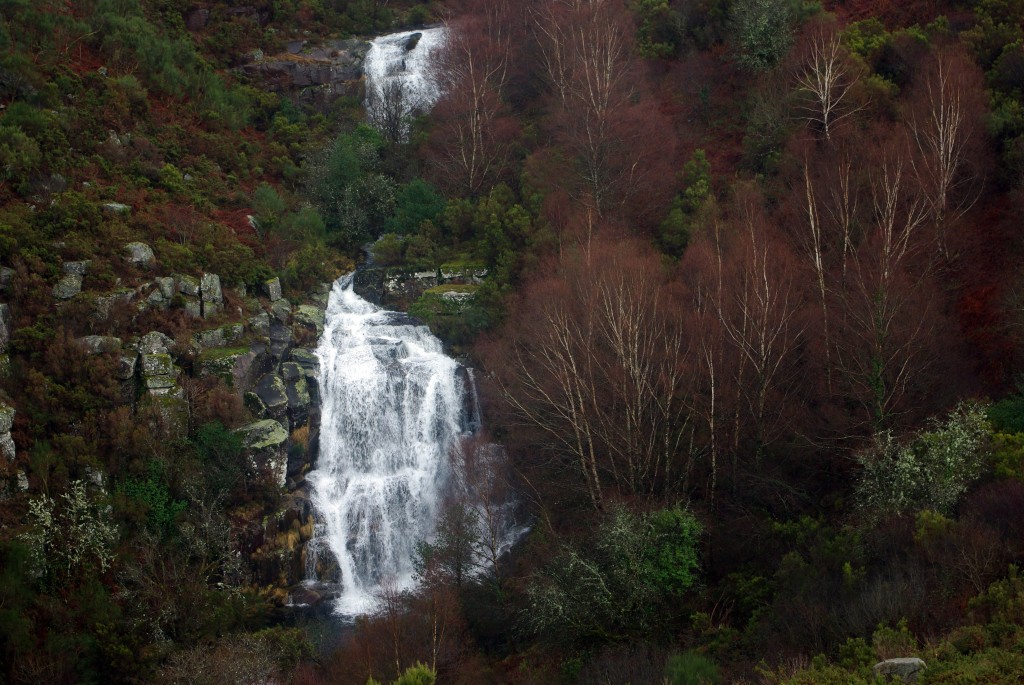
(394, 288)
(312, 73)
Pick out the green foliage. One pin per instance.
(866, 38)
(416, 202)
(1003, 601)
(672, 561)
(688, 207)
(931, 471)
(659, 32)
(1007, 416)
(70, 535)
(268, 205)
(619, 583)
(154, 496)
(388, 250)
(354, 197)
(691, 668)
(762, 32)
(890, 643)
(420, 674)
(220, 451)
(1008, 455)
(452, 556)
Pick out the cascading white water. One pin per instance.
(392, 58)
(392, 409)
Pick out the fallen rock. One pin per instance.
(76, 268)
(100, 344)
(68, 286)
(117, 208)
(139, 253)
(273, 289)
(907, 669)
(6, 277)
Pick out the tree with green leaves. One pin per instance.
(762, 32)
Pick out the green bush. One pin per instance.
(691, 668)
(931, 471)
(620, 582)
(415, 202)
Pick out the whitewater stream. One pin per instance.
(404, 58)
(392, 410)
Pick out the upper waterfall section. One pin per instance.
(399, 79)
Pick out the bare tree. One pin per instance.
(601, 114)
(390, 108)
(943, 118)
(826, 76)
(474, 134)
(594, 364)
(885, 309)
(757, 311)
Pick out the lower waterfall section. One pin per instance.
(392, 411)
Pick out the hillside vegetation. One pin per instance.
(741, 277)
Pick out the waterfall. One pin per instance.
(392, 410)
(397, 70)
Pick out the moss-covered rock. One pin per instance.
(272, 392)
(173, 411)
(299, 401)
(266, 442)
(311, 318)
(221, 362)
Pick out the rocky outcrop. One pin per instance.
(311, 318)
(223, 336)
(7, 449)
(188, 288)
(398, 288)
(299, 401)
(5, 327)
(273, 398)
(104, 305)
(211, 295)
(279, 557)
(314, 74)
(266, 443)
(907, 670)
(6, 278)
(159, 374)
(310, 365)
